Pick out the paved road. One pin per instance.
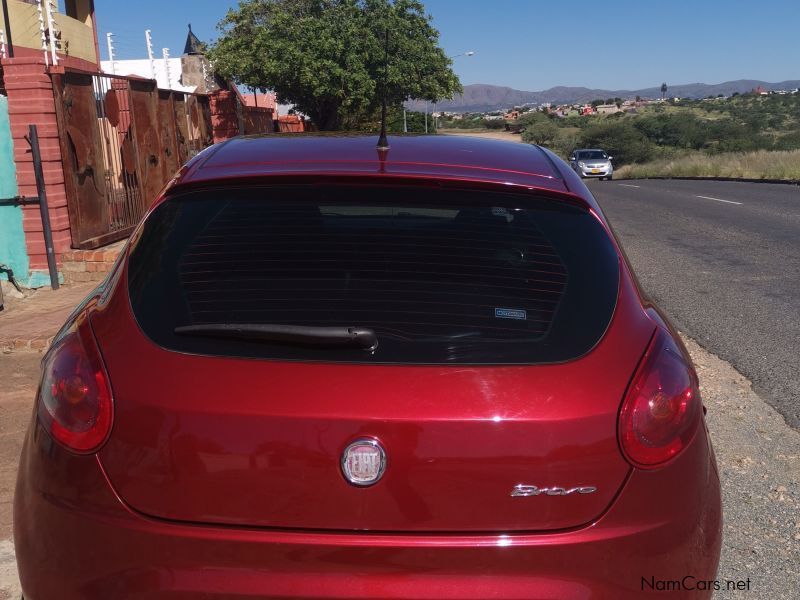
(723, 259)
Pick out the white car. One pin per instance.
(592, 162)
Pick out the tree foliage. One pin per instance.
(623, 141)
(327, 57)
(541, 132)
(743, 123)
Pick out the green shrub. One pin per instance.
(620, 139)
(541, 132)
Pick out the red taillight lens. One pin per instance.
(75, 404)
(661, 411)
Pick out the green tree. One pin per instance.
(620, 139)
(534, 117)
(540, 132)
(327, 57)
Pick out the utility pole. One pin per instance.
(110, 43)
(149, 42)
(405, 123)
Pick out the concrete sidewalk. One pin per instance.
(30, 322)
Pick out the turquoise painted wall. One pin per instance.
(12, 237)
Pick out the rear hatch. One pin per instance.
(504, 349)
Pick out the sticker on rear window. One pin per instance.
(510, 313)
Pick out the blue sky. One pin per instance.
(533, 45)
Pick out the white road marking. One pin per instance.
(629, 185)
(717, 199)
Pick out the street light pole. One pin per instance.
(467, 53)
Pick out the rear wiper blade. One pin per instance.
(358, 337)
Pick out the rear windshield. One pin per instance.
(592, 155)
(440, 276)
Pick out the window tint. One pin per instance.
(592, 155)
(440, 276)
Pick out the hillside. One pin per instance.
(482, 97)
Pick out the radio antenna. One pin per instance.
(383, 143)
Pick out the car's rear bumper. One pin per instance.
(83, 542)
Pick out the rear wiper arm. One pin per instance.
(358, 337)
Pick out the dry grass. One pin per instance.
(498, 134)
(746, 165)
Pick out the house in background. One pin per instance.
(607, 109)
(191, 73)
(27, 31)
(261, 100)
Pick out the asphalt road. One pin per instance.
(723, 259)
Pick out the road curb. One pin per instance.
(741, 179)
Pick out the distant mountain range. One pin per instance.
(483, 97)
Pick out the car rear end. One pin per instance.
(542, 430)
(594, 169)
(594, 164)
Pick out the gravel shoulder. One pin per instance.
(758, 456)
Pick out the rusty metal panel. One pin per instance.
(194, 120)
(146, 137)
(182, 128)
(82, 157)
(168, 134)
(121, 140)
(206, 130)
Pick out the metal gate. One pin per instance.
(121, 140)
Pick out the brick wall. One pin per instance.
(257, 120)
(224, 115)
(30, 101)
(226, 108)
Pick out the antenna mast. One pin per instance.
(383, 143)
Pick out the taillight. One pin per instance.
(661, 411)
(75, 404)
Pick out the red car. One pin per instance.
(320, 370)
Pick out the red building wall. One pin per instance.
(30, 101)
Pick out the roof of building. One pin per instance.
(193, 44)
(260, 100)
(417, 156)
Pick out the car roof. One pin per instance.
(426, 156)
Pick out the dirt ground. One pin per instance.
(19, 377)
(494, 135)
